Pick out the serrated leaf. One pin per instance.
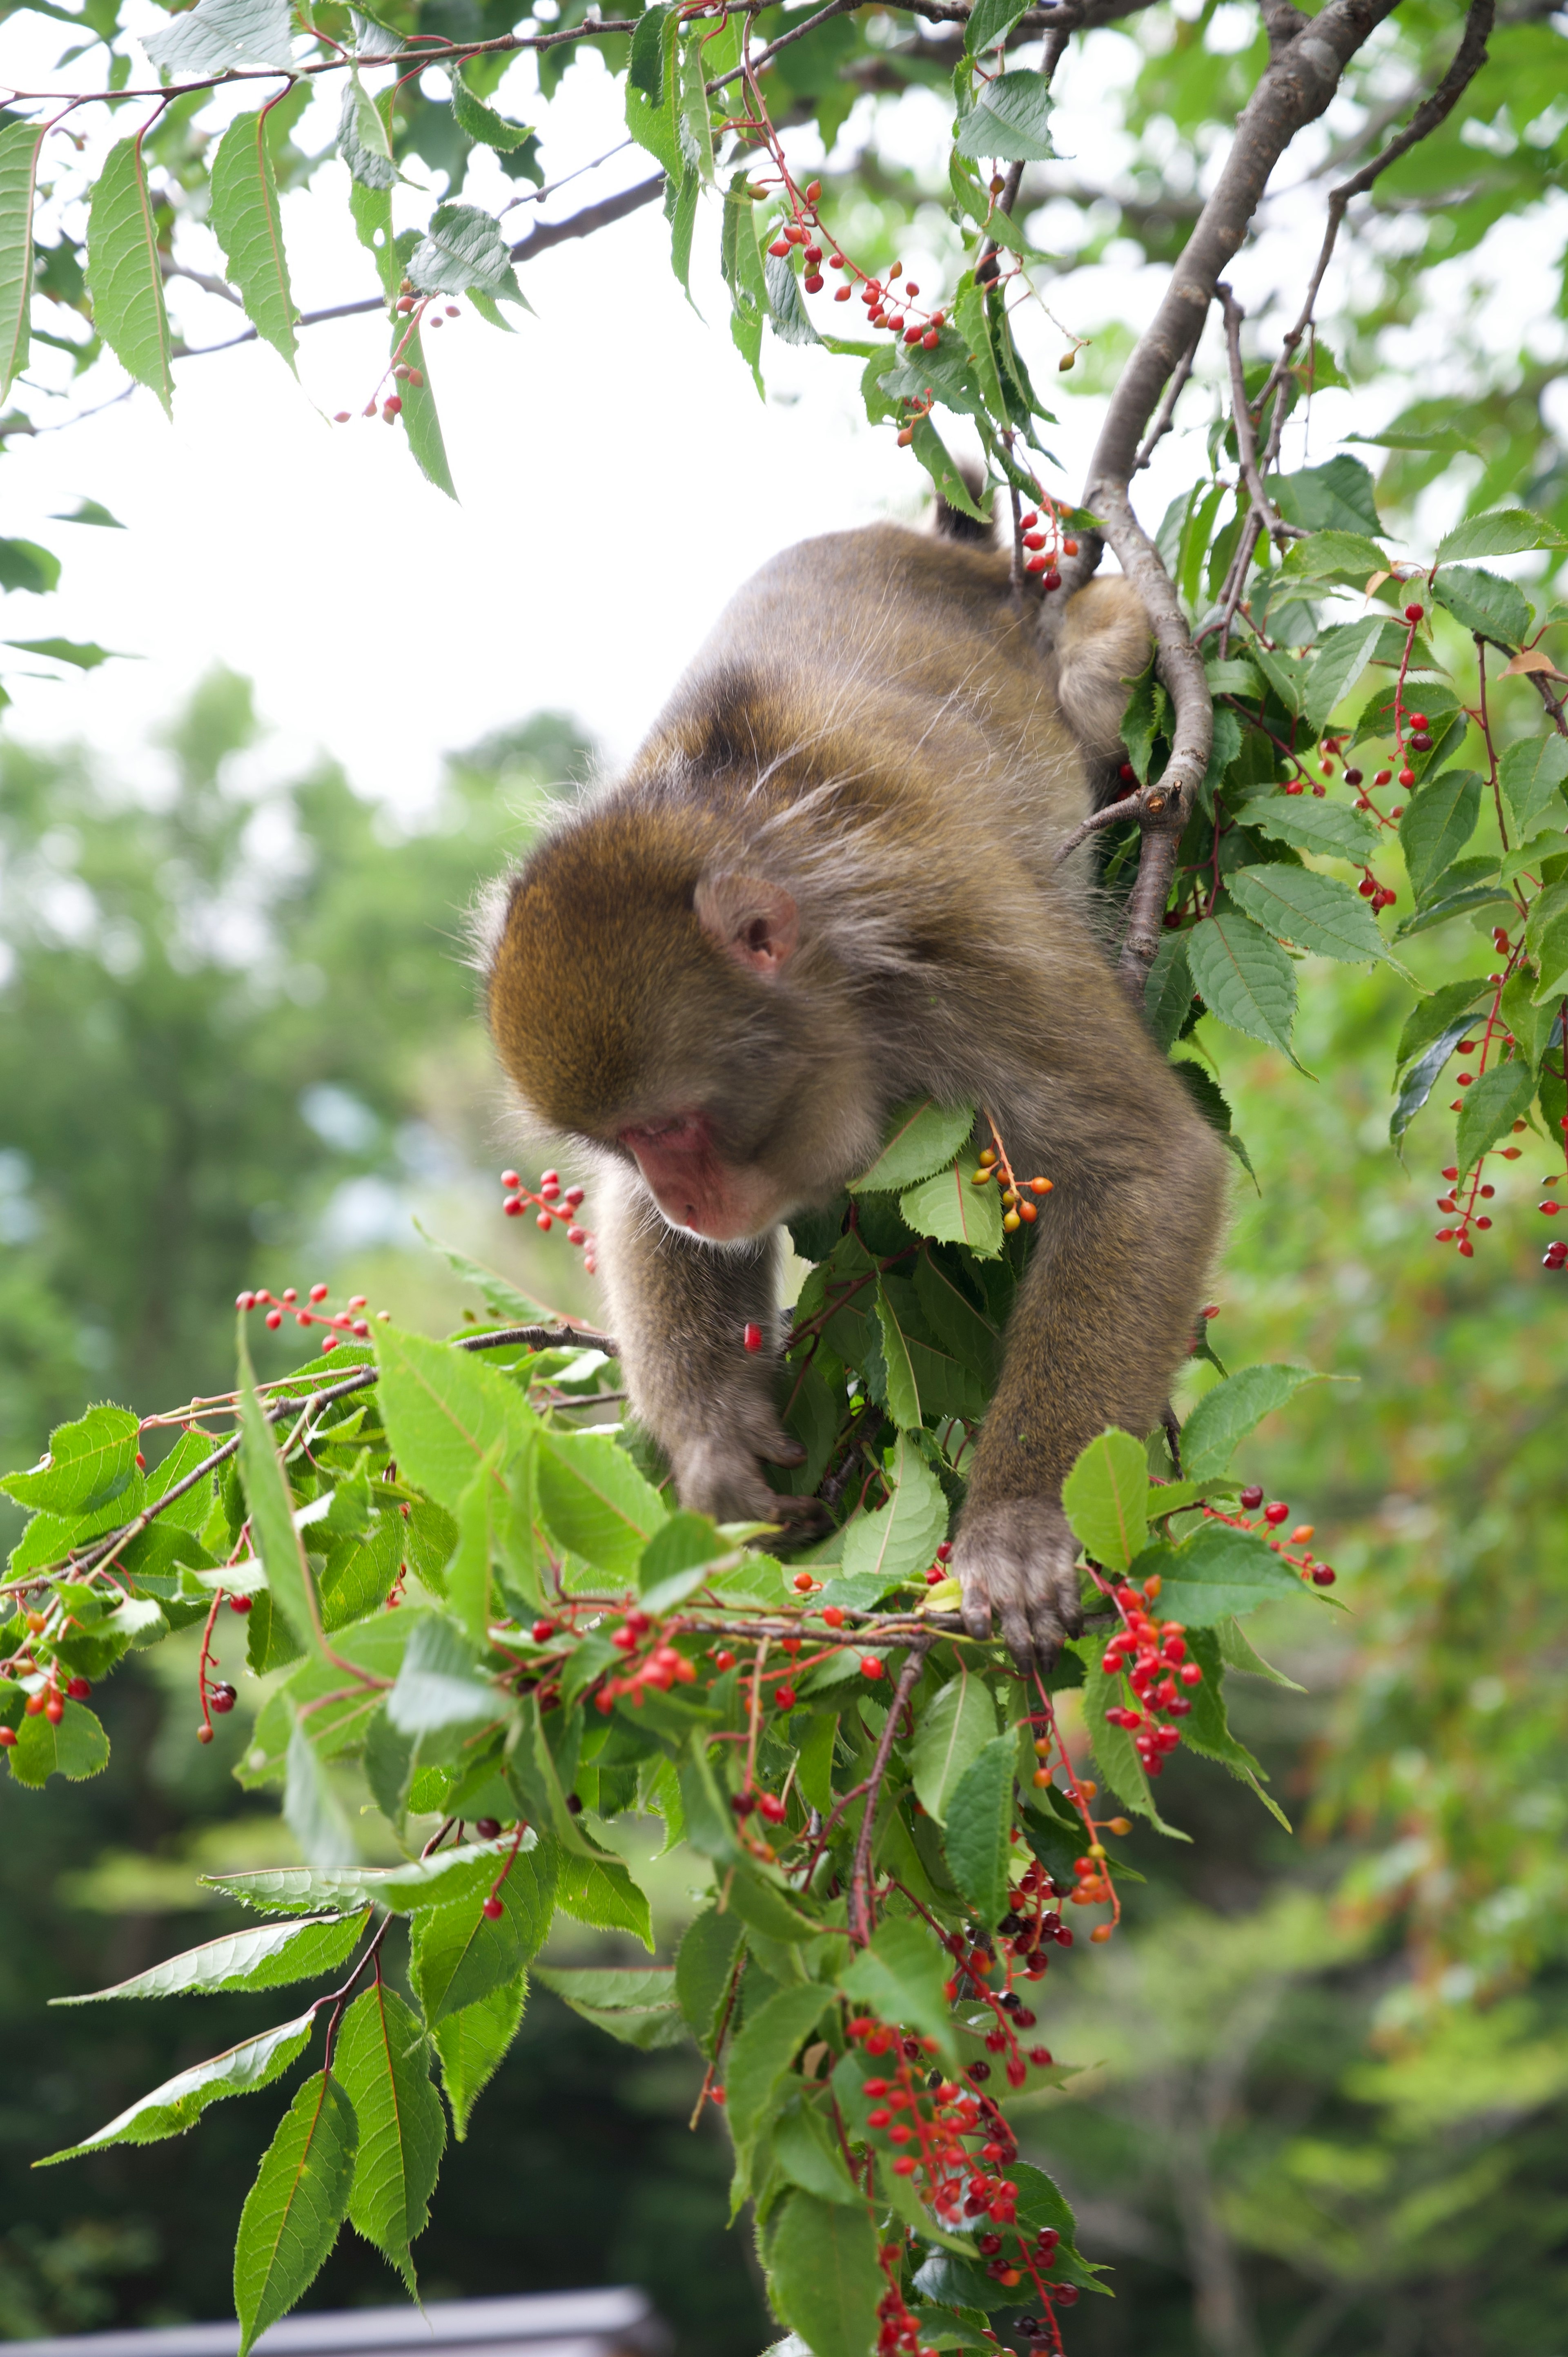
(312, 1811)
(822, 2276)
(362, 140)
(761, 2055)
(462, 247)
(180, 2103)
(651, 91)
(1104, 1498)
(459, 1954)
(954, 1730)
(218, 35)
(1438, 822)
(1207, 1731)
(951, 1210)
(473, 2044)
(903, 1391)
(1490, 1109)
(1507, 531)
(269, 1957)
(439, 1685)
(1338, 496)
(293, 2212)
(448, 1876)
(1243, 976)
(468, 1572)
(980, 1814)
(482, 124)
(91, 1464)
(1167, 992)
(901, 1977)
(445, 1411)
(600, 1892)
(933, 454)
(21, 143)
(75, 1748)
(1224, 1416)
(902, 1537)
(596, 1501)
(1484, 602)
(1317, 912)
(786, 310)
(1010, 119)
(1343, 653)
(382, 2058)
(273, 1536)
(704, 1968)
(1533, 772)
(1333, 830)
(1335, 555)
(694, 122)
(421, 423)
(1218, 1572)
(1237, 1652)
(249, 227)
(920, 1138)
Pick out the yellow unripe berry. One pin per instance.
(980, 1177)
(1043, 1746)
(988, 1155)
(1097, 1849)
(1010, 1221)
(1120, 1827)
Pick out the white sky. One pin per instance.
(619, 475)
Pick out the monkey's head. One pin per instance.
(649, 996)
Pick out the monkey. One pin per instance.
(827, 884)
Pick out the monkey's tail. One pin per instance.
(952, 524)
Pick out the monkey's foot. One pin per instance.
(720, 1473)
(1016, 1558)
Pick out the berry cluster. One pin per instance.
(555, 1205)
(1041, 537)
(342, 1322)
(658, 1665)
(1153, 1655)
(994, 1163)
(419, 311)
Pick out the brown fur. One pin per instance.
(875, 729)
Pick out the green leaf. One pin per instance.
(903, 1391)
(1507, 531)
(980, 1814)
(293, 2212)
(1243, 976)
(704, 1967)
(1417, 1082)
(421, 423)
(762, 2053)
(1490, 1109)
(1335, 555)
(990, 22)
(1104, 1497)
(463, 247)
(951, 1210)
(1207, 1731)
(740, 260)
(81, 654)
(1010, 119)
(1224, 1416)
(920, 1138)
(362, 140)
(787, 313)
(25, 565)
(448, 1876)
(902, 1537)
(248, 228)
(1338, 496)
(482, 124)
(439, 1685)
(383, 2060)
(1533, 771)
(694, 124)
(1438, 822)
(180, 2103)
(124, 274)
(1115, 1754)
(21, 143)
(1167, 992)
(216, 36)
(472, 2045)
(1317, 912)
(267, 1958)
(273, 1536)
(76, 1748)
(636, 2004)
(651, 89)
(806, 2148)
(1216, 1572)
(459, 1954)
(468, 1573)
(954, 1730)
(601, 1893)
(596, 1501)
(1343, 653)
(1332, 830)
(1236, 1651)
(933, 453)
(91, 1464)
(312, 1811)
(824, 2279)
(901, 1977)
(445, 1411)
(1483, 602)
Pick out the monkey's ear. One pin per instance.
(756, 923)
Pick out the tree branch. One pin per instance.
(860, 1923)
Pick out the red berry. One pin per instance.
(753, 1337)
(724, 1660)
(486, 1827)
(870, 1666)
(1190, 1674)
(1413, 613)
(1418, 719)
(1322, 1575)
(833, 1615)
(493, 1907)
(1352, 776)
(542, 1629)
(1277, 1512)
(79, 1689)
(510, 1178)
(275, 1319)
(514, 1206)
(244, 1301)
(7, 1738)
(1551, 1210)
(1407, 777)
(223, 1698)
(785, 1699)
(205, 1732)
(240, 1603)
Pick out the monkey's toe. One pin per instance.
(1015, 1557)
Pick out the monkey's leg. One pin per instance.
(679, 1309)
(1104, 1318)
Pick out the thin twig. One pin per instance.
(1246, 434)
(860, 1923)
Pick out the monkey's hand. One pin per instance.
(1016, 1558)
(719, 1472)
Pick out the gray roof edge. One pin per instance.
(620, 2317)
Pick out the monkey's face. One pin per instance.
(671, 1013)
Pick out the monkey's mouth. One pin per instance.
(694, 1185)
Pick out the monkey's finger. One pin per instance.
(1015, 1625)
(1046, 1629)
(785, 1450)
(976, 1607)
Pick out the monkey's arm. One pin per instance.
(1104, 1318)
(679, 1309)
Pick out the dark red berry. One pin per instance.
(493, 1907)
(1252, 1498)
(79, 1689)
(486, 1827)
(223, 1698)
